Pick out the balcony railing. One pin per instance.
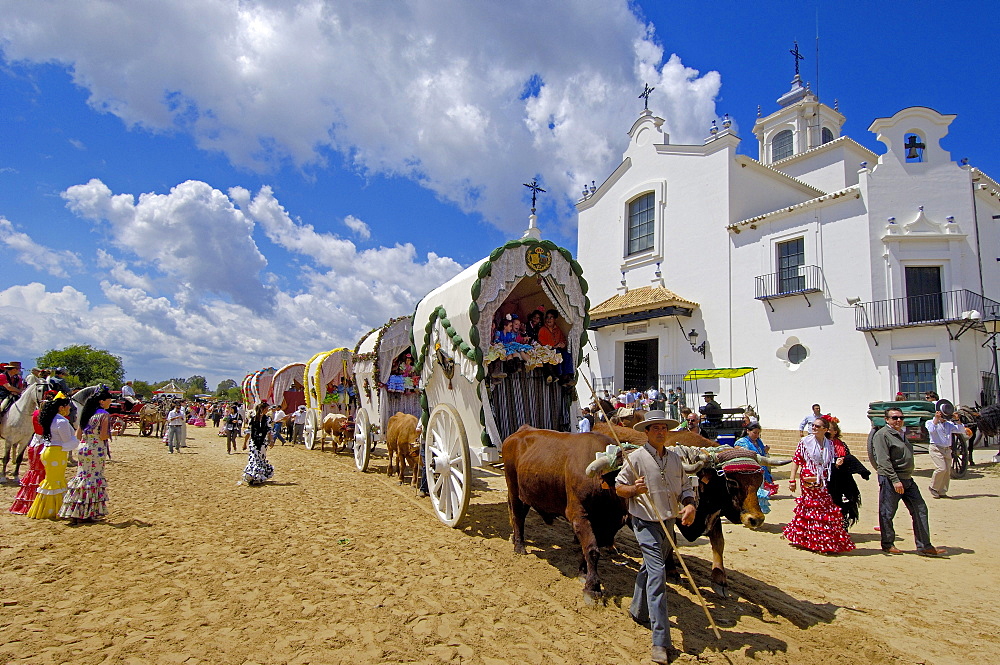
(794, 281)
(926, 310)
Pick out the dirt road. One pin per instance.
(329, 565)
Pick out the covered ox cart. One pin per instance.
(386, 381)
(324, 375)
(468, 407)
(288, 387)
(256, 387)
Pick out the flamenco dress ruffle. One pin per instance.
(31, 480)
(87, 491)
(395, 383)
(817, 524)
(49, 498)
(258, 468)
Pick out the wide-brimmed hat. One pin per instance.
(655, 418)
(708, 394)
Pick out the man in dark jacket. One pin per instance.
(892, 456)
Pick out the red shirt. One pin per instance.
(37, 425)
(553, 337)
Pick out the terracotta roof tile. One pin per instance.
(638, 300)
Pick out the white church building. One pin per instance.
(843, 276)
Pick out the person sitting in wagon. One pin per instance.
(551, 335)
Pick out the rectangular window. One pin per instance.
(791, 257)
(923, 294)
(641, 219)
(916, 377)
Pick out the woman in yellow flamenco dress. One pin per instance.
(59, 440)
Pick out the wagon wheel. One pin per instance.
(309, 430)
(117, 425)
(959, 455)
(145, 428)
(449, 467)
(362, 440)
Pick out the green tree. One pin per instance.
(86, 365)
(224, 387)
(143, 389)
(197, 384)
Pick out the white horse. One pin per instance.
(16, 427)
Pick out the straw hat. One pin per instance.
(655, 418)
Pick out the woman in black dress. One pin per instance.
(258, 468)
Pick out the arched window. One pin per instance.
(641, 223)
(782, 145)
(827, 135)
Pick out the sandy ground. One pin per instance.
(329, 565)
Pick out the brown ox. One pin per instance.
(338, 427)
(724, 490)
(401, 440)
(547, 471)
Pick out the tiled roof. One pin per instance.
(639, 300)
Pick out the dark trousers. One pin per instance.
(888, 502)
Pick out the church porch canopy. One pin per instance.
(640, 304)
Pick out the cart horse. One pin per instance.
(476, 392)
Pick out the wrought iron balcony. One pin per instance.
(794, 281)
(926, 310)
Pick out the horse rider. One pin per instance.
(11, 385)
(57, 381)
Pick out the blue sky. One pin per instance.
(208, 188)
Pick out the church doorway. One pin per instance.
(640, 369)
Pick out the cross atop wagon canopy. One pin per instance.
(646, 90)
(535, 189)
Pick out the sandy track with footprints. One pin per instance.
(329, 565)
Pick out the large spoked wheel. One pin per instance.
(362, 440)
(117, 425)
(959, 455)
(309, 429)
(145, 428)
(449, 468)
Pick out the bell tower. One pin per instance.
(801, 122)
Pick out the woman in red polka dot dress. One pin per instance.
(818, 524)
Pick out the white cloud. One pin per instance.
(172, 320)
(57, 263)
(78, 144)
(359, 227)
(194, 236)
(455, 95)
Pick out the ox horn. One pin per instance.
(598, 466)
(770, 461)
(702, 460)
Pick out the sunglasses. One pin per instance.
(894, 417)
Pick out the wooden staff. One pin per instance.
(656, 513)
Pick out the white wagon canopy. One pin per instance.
(482, 379)
(256, 387)
(387, 381)
(288, 386)
(327, 377)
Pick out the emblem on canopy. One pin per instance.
(538, 258)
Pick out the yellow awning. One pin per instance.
(718, 373)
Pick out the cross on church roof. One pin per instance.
(797, 56)
(535, 189)
(645, 95)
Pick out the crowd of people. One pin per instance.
(519, 346)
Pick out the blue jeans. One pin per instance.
(888, 502)
(276, 431)
(649, 598)
(174, 437)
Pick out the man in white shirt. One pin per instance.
(805, 427)
(175, 427)
(940, 430)
(299, 423)
(585, 425)
(278, 416)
